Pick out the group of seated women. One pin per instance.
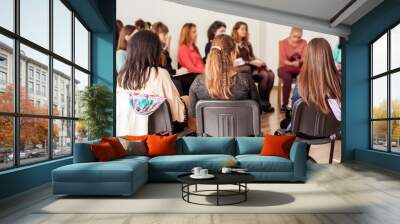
(228, 71)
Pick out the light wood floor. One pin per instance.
(378, 190)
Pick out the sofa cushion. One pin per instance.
(206, 145)
(134, 147)
(103, 152)
(83, 152)
(161, 145)
(185, 163)
(116, 145)
(277, 145)
(249, 145)
(257, 163)
(112, 171)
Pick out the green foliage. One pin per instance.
(96, 103)
(380, 127)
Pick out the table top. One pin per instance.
(220, 178)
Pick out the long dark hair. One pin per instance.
(125, 31)
(144, 50)
(213, 28)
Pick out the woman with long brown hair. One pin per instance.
(189, 56)
(162, 30)
(121, 53)
(319, 80)
(221, 79)
(142, 74)
(248, 62)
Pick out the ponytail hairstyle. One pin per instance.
(220, 73)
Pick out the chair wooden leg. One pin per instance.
(331, 152)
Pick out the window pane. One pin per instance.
(379, 97)
(7, 14)
(6, 74)
(395, 47)
(6, 142)
(81, 131)
(62, 89)
(379, 135)
(62, 138)
(81, 45)
(33, 139)
(81, 81)
(395, 94)
(35, 21)
(395, 138)
(62, 29)
(34, 72)
(379, 55)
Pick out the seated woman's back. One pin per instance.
(221, 80)
(143, 75)
(320, 82)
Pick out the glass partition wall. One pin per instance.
(44, 64)
(385, 92)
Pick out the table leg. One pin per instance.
(217, 194)
(245, 193)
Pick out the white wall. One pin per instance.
(263, 36)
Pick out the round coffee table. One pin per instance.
(238, 179)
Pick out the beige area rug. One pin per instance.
(166, 198)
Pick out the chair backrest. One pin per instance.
(228, 118)
(308, 123)
(161, 121)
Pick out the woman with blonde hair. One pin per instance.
(291, 52)
(189, 56)
(221, 79)
(248, 62)
(319, 80)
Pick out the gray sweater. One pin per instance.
(243, 89)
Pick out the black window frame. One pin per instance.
(16, 115)
(388, 74)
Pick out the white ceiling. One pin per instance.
(313, 15)
(320, 9)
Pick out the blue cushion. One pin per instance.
(111, 171)
(206, 145)
(249, 145)
(185, 163)
(83, 152)
(257, 163)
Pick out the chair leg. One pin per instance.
(279, 93)
(308, 154)
(331, 152)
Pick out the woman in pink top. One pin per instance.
(189, 56)
(291, 52)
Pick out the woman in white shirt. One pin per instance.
(142, 74)
(320, 81)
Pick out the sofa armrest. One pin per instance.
(298, 155)
(83, 152)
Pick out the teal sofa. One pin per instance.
(125, 176)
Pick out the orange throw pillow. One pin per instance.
(103, 152)
(136, 138)
(116, 145)
(161, 145)
(277, 145)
